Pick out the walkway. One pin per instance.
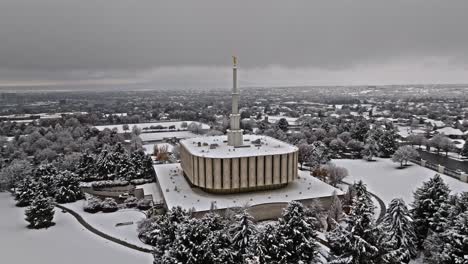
(101, 234)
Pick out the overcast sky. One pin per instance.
(164, 43)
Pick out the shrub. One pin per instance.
(109, 205)
(131, 202)
(144, 204)
(93, 205)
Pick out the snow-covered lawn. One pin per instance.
(105, 222)
(387, 181)
(177, 124)
(66, 242)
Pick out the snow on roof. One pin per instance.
(459, 143)
(268, 146)
(159, 136)
(177, 125)
(177, 192)
(450, 131)
(291, 120)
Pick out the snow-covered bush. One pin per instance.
(41, 212)
(105, 184)
(131, 202)
(93, 205)
(144, 204)
(68, 189)
(109, 205)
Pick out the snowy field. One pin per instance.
(105, 222)
(387, 181)
(66, 242)
(177, 125)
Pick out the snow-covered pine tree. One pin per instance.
(25, 192)
(159, 231)
(87, 167)
(445, 215)
(387, 144)
(46, 173)
(67, 187)
(427, 201)
(217, 248)
(243, 233)
(296, 235)
(358, 241)
(105, 165)
(399, 238)
(335, 212)
(450, 246)
(267, 246)
(40, 213)
(188, 244)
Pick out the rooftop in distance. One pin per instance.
(254, 145)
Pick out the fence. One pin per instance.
(457, 174)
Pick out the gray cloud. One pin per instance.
(69, 39)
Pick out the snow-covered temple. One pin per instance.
(237, 170)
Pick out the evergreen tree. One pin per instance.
(359, 130)
(335, 212)
(283, 124)
(25, 191)
(358, 241)
(160, 231)
(387, 144)
(40, 213)
(296, 235)
(46, 173)
(399, 238)
(243, 232)
(68, 188)
(427, 201)
(87, 167)
(267, 246)
(188, 246)
(217, 248)
(450, 246)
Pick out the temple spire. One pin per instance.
(235, 133)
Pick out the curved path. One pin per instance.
(383, 207)
(101, 234)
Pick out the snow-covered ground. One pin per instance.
(151, 188)
(177, 125)
(106, 222)
(387, 181)
(66, 242)
(177, 191)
